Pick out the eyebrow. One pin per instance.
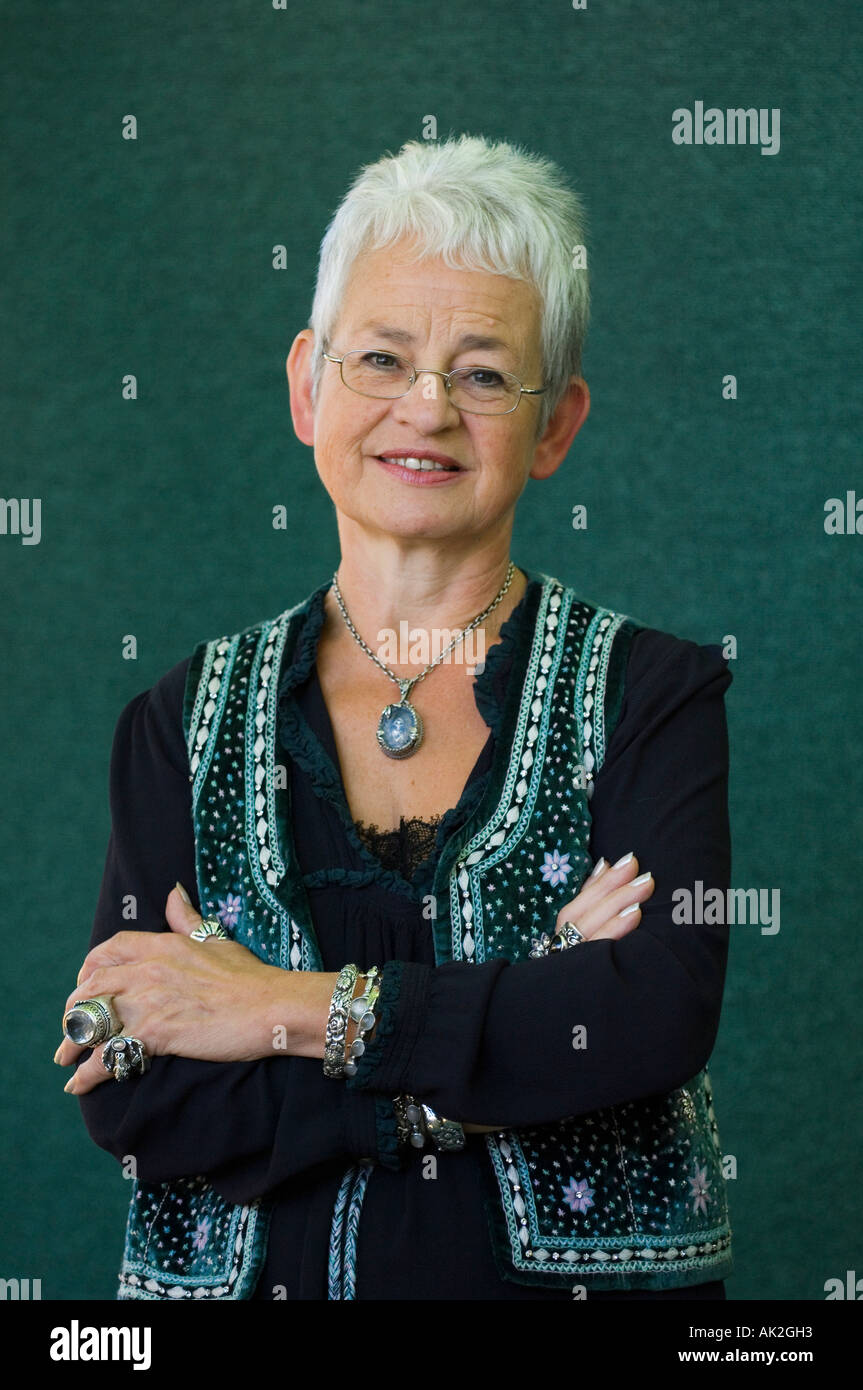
(468, 342)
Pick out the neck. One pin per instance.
(427, 588)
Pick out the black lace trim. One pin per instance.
(405, 846)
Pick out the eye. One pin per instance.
(484, 376)
(380, 361)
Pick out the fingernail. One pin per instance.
(625, 860)
(598, 866)
(57, 1054)
(633, 907)
(70, 1085)
(183, 894)
(642, 878)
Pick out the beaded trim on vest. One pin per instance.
(631, 1196)
(569, 1200)
(182, 1239)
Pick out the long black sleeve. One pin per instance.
(248, 1125)
(492, 1043)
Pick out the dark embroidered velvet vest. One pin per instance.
(631, 1196)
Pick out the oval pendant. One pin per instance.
(400, 730)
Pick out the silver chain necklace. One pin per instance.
(400, 728)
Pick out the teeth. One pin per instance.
(420, 464)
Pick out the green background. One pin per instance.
(706, 516)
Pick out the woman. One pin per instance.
(387, 1083)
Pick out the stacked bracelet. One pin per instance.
(416, 1122)
(337, 1022)
(339, 1063)
(362, 1011)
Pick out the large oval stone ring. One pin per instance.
(90, 1021)
(210, 926)
(125, 1057)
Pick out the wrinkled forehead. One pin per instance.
(418, 298)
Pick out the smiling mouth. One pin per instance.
(420, 463)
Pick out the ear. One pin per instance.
(299, 369)
(568, 418)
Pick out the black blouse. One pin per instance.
(279, 1127)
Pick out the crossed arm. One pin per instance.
(216, 1001)
(650, 997)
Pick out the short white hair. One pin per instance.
(479, 205)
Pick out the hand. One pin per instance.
(596, 910)
(212, 1000)
(597, 905)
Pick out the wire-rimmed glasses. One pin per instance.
(385, 375)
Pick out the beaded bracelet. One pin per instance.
(337, 1022)
(409, 1128)
(362, 1011)
(416, 1122)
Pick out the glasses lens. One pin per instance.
(484, 390)
(373, 373)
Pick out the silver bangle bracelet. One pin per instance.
(446, 1135)
(362, 1011)
(337, 1022)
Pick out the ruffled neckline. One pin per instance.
(298, 739)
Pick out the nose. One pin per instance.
(427, 405)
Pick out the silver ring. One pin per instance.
(90, 1021)
(210, 926)
(569, 935)
(543, 945)
(125, 1057)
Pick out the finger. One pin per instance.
(109, 980)
(619, 926)
(68, 1052)
(109, 967)
(625, 896)
(628, 895)
(610, 876)
(179, 912)
(123, 948)
(594, 892)
(88, 1076)
(606, 877)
